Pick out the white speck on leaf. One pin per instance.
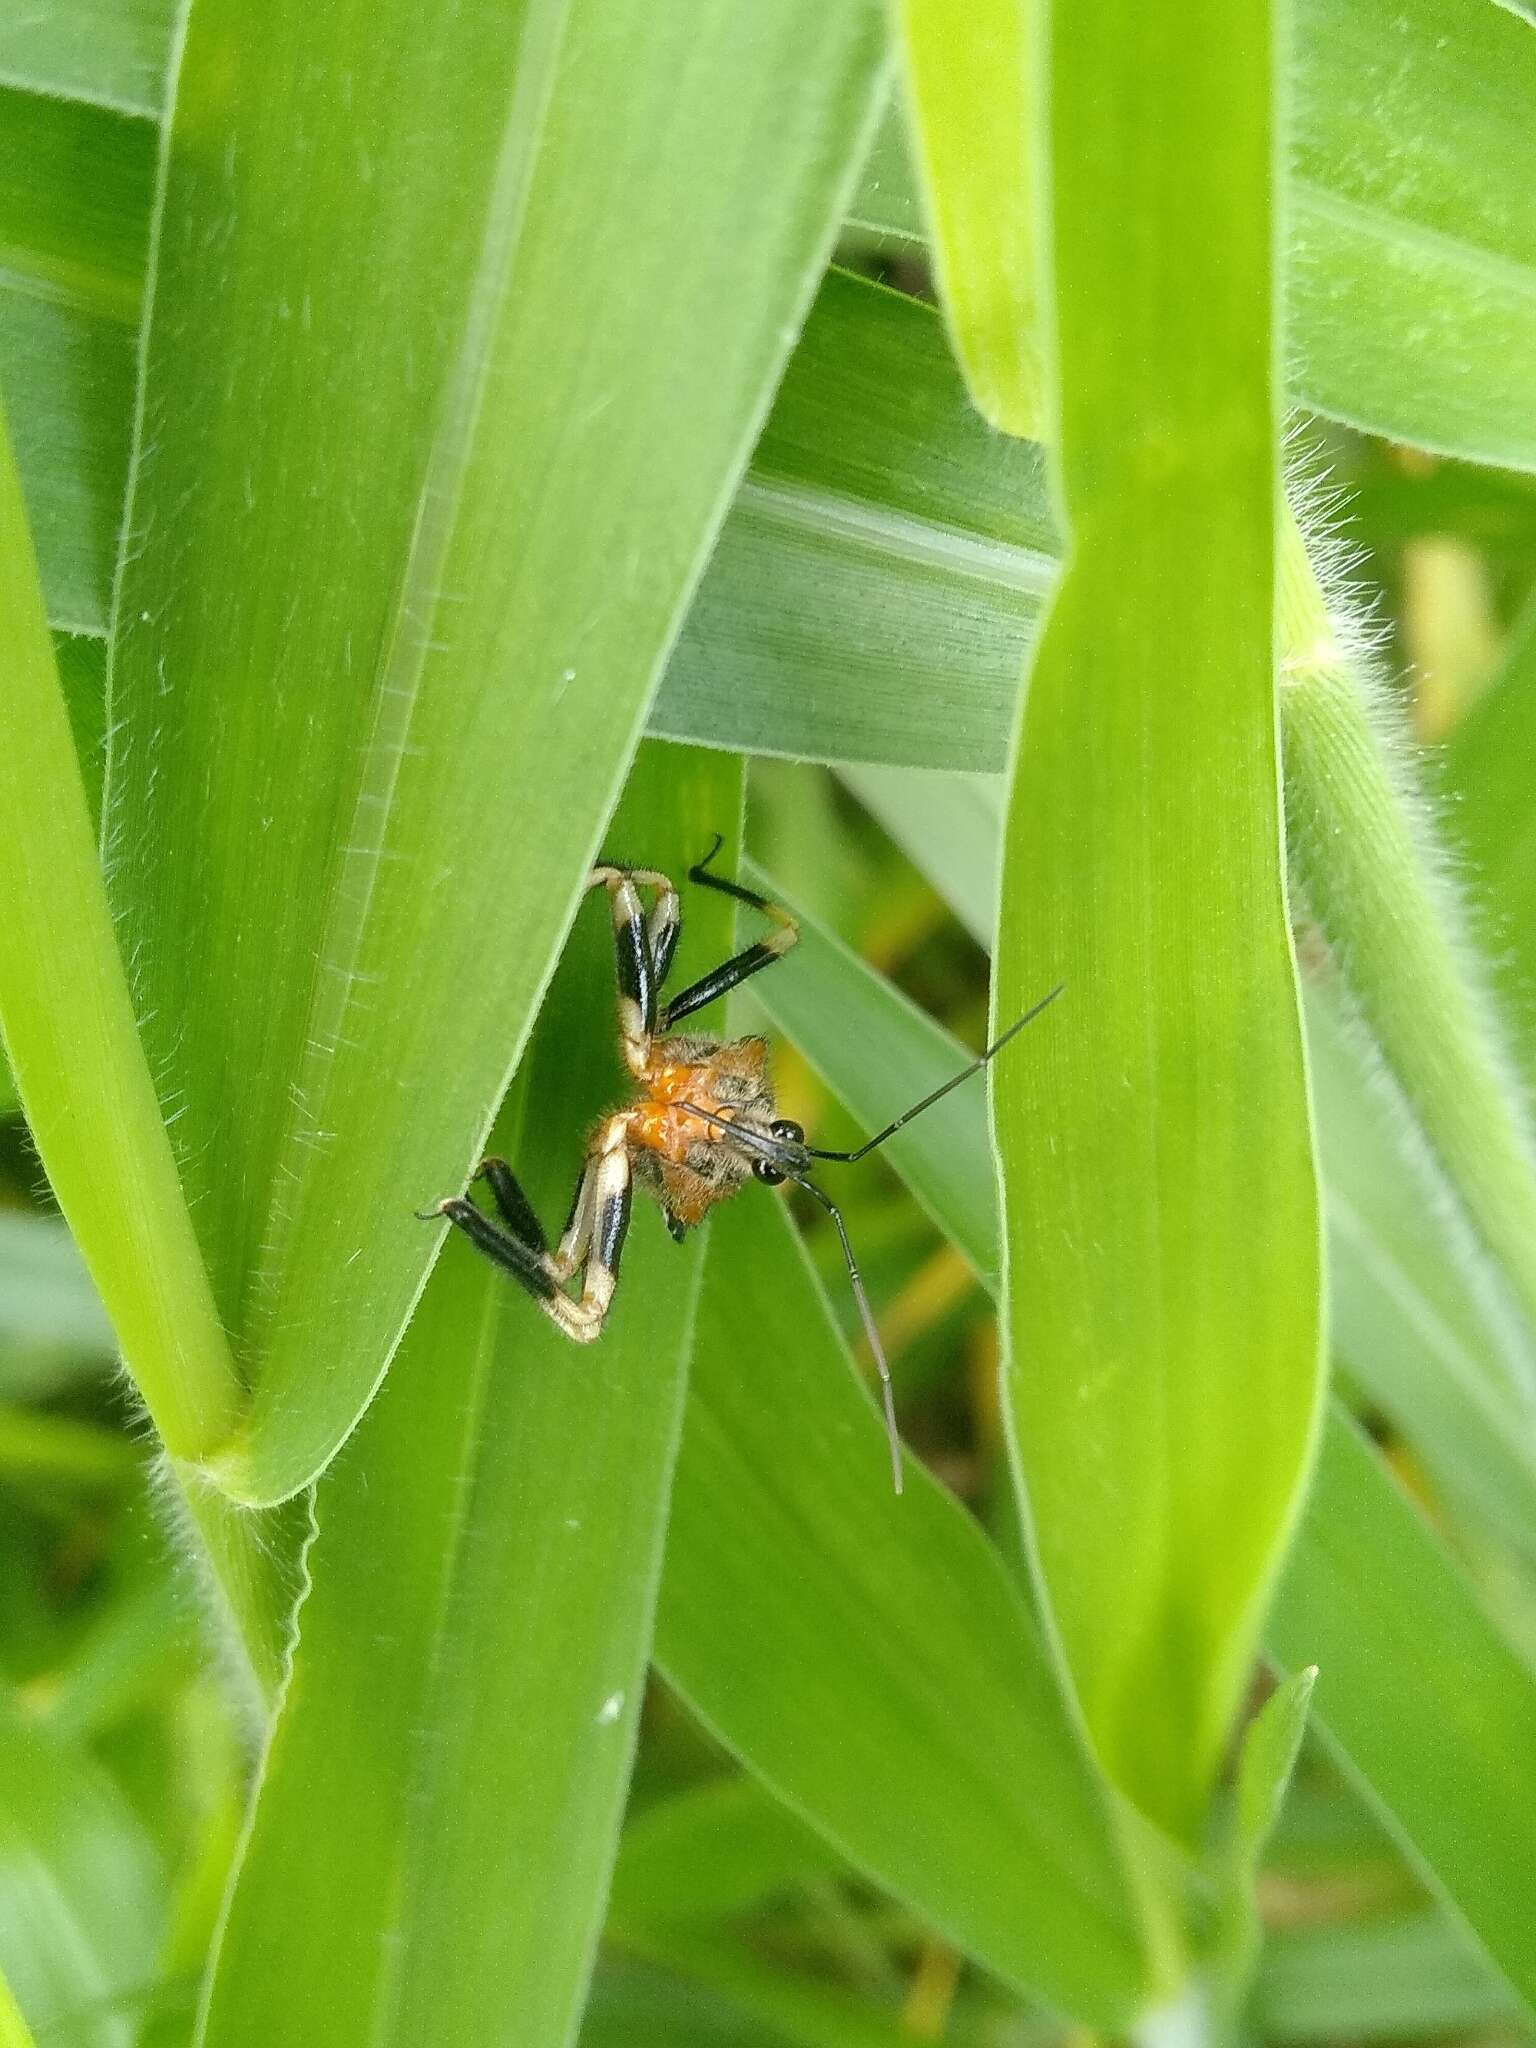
(610, 1710)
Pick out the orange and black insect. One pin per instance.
(705, 1123)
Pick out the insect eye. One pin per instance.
(790, 1132)
(767, 1171)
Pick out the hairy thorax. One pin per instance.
(679, 1155)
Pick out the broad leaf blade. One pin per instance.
(361, 759)
(635, 2005)
(710, 1852)
(433, 1834)
(1410, 264)
(1410, 307)
(882, 569)
(1431, 1707)
(1417, 1319)
(1159, 1200)
(75, 185)
(110, 53)
(1368, 1592)
(1383, 1978)
(865, 1655)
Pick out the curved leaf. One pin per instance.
(866, 1655)
(381, 666)
(431, 1841)
(1160, 1217)
(1368, 1592)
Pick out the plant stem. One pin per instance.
(1364, 857)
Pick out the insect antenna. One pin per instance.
(866, 1316)
(954, 1081)
(783, 1159)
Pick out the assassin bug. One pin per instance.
(705, 1124)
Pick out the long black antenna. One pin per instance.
(954, 1081)
(774, 1151)
(887, 1392)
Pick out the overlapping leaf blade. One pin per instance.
(1159, 1198)
(1410, 268)
(974, 108)
(463, 545)
(1433, 1709)
(70, 1035)
(432, 1836)
(1366, 1588)
(1412, 273)
(866, 1655)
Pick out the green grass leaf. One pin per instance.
(1411, 265)
(361, 759)
(1410, 272)
(73, 1046)
(1412, 269)
(881, 567)
(109, 53)
(78, 1061)
(975, 115)
(636, 2005)
(865, 1655)
(431, 1841)
(1271, 1743)
(711, 1851)
(1418, 1319)
(1266, 1759)
(919, 665)
(1161, 1235)
(1368, 1594)
(1382, 1979)
(1373, 1599)
(14, 2031)
(82, 1891)
(75, 185)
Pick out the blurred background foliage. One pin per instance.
(124, 1761)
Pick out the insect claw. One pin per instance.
(430, 1215)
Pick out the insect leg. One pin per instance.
(594, 1235)
(515, 1207)
(528, 1265)
(663, 928)
(609, 1202)
(743, 965)
(636, 951)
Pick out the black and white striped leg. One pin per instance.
(638, 943)
(741, 966)
(516, 1209)
(593, 1242)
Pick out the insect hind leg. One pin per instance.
(593, 1241)
(743, 965)
(643, 949)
